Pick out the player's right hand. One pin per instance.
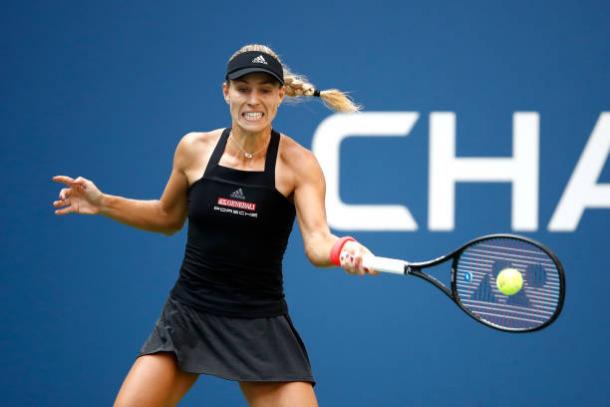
(81, 196)
(351, 258)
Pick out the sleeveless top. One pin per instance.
(238, 230)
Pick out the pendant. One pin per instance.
(248, 155)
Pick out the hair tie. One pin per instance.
(316, 93)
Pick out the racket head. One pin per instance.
(474, 286)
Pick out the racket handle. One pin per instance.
(384, 264)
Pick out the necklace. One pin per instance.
(246, 154)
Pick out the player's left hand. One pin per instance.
(80, 196)
(351, 258)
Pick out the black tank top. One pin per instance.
(238, 230)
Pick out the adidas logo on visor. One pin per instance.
(259, 60)
(238, 194)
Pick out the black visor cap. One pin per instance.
(255, 61)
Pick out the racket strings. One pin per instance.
(476, 286)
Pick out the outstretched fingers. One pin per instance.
(64, 179)
(65, 194)
(79, 183)
(65, 205)
(65, 211)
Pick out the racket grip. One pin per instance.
(384, 264)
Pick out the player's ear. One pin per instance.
(225, 91)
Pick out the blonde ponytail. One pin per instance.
(298, 86)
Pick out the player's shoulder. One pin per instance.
(292, 151)
(199, 138)
(196, 141)
(194, 144)
(297, 157)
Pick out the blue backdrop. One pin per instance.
(106, 91)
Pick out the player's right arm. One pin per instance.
(165, 215)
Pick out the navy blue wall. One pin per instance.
(106, 91)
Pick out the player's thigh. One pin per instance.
(279, 394)
(154, 380)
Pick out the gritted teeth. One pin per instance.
(253, 115)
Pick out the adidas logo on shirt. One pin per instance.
(238, 194)
(259, 60)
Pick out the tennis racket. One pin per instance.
(475, 271)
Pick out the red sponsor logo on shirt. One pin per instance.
(249, 206)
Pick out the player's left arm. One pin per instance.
(309, 196)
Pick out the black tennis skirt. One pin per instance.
(242, 349)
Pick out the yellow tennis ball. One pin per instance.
(509, 281)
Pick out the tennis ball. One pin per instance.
(509, 281)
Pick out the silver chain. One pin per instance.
(246, 154)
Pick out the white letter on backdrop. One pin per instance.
(583, 191)
(446, 169)
(326, 146)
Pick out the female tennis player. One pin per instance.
(240, 188)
